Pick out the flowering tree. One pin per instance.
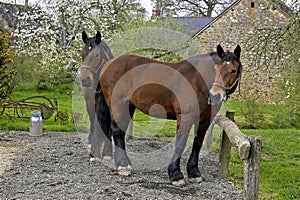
(49, 33)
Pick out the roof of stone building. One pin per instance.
(195, 23)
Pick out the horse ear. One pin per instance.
(220, 51)
(98, 38)
(84, 37)
(237, 51)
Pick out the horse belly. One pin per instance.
(154, 100)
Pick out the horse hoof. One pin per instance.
(94, 159)
(124, 171)
(196, 180)
(107, 157)
(179, 183)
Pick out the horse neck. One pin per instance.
(215, 57)
(205, 66)
(106, 50)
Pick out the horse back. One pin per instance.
(143, 81)
(138, 67)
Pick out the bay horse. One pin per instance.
(190, 91)
(94, 101)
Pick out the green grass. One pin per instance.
(272, 116)
(280, 164)
(64, 98)
(73, 102)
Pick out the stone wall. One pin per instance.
(237, 26)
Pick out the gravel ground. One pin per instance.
(56, 166)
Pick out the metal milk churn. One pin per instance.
(36, 122)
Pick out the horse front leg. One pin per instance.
(184, 125)
(94, 139)
(122, 161)
(194, 174)
(88, 95)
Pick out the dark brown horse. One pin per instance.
(94, 101)
(190, 91)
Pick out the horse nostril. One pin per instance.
(86, 82)
(214, 99)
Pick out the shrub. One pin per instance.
(251, 111)
(7, 72)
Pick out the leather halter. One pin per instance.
(95, 72)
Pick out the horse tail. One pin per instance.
(104, 119)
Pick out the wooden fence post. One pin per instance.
(252, 169)
(249, 149)
(224, 155)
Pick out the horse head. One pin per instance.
(94, 55)
(228, 70)
(90, 43)
(90, 68)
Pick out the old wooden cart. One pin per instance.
(24, 107)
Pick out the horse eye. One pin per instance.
(233, 71)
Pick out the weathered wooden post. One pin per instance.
(224, 155)
(252, 169)
(249, 149)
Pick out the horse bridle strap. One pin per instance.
(95, 72)
(227, 90)
(89, 68)
(219, 86)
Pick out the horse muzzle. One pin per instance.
(214, 99)
(216, 94)
(86, 82)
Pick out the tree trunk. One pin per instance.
(26, 4)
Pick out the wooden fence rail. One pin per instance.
(249, 150)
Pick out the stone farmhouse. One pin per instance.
(236, 25)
